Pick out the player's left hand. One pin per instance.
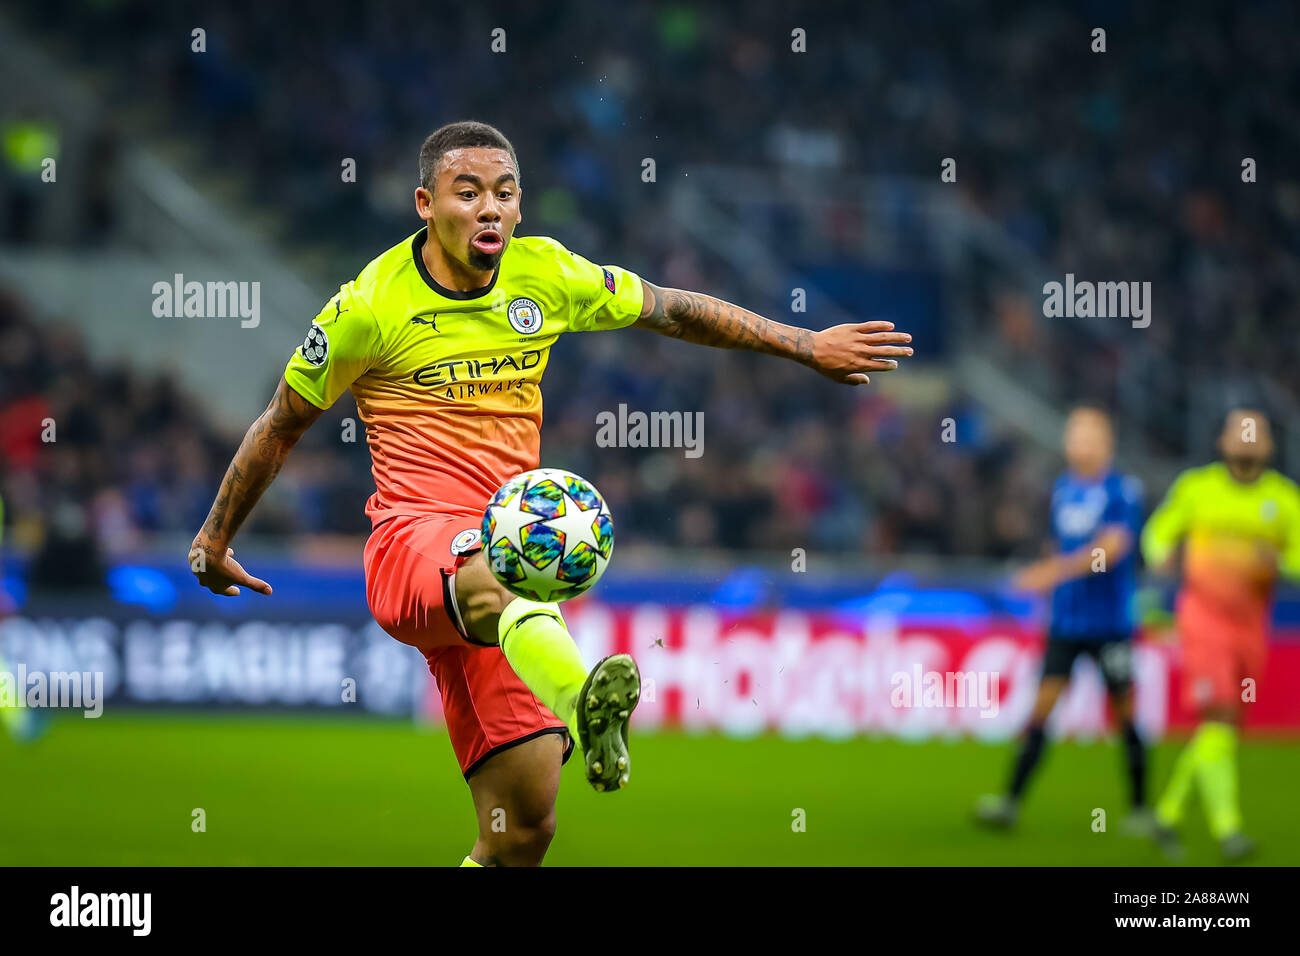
(845, 353)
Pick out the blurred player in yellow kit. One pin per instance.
(1238, 522)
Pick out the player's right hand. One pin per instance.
(221, 573)
(845, 353)
(1039, 578)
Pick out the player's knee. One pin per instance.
(524, 842)
(481, 610)
(480, 598)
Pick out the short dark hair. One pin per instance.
(462, 135)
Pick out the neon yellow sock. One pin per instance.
(538, 646)
(1216, 771)
(1173, 801)
(469, 862)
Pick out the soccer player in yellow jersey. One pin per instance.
(442, 341)
(1239, 526)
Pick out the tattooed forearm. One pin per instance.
(705, 320)
(261, 454)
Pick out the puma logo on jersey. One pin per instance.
(338, 307)
(428, 317)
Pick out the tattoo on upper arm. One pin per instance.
(291, 414)
(285, 419)
(262, 452)
(707, 320)
(652, 308)
(649, 300)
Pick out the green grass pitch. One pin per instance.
(335, 791)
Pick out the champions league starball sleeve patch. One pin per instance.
(341, 345)
(316, 347)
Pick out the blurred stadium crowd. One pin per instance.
(94, 460)
(1104, 171)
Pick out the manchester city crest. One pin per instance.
(467, 540)
(525, 315)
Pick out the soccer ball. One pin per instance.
(548, 535)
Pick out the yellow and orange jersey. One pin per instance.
(448, 383)
(1237, 538)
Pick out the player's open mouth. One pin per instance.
(487, 241)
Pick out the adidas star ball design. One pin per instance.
(548, 535)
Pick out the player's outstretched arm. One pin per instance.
(1114, 542)
(843, 353)
(261, 454)
(1167, 525)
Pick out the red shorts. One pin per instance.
(410, 563)
(1221, 647)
